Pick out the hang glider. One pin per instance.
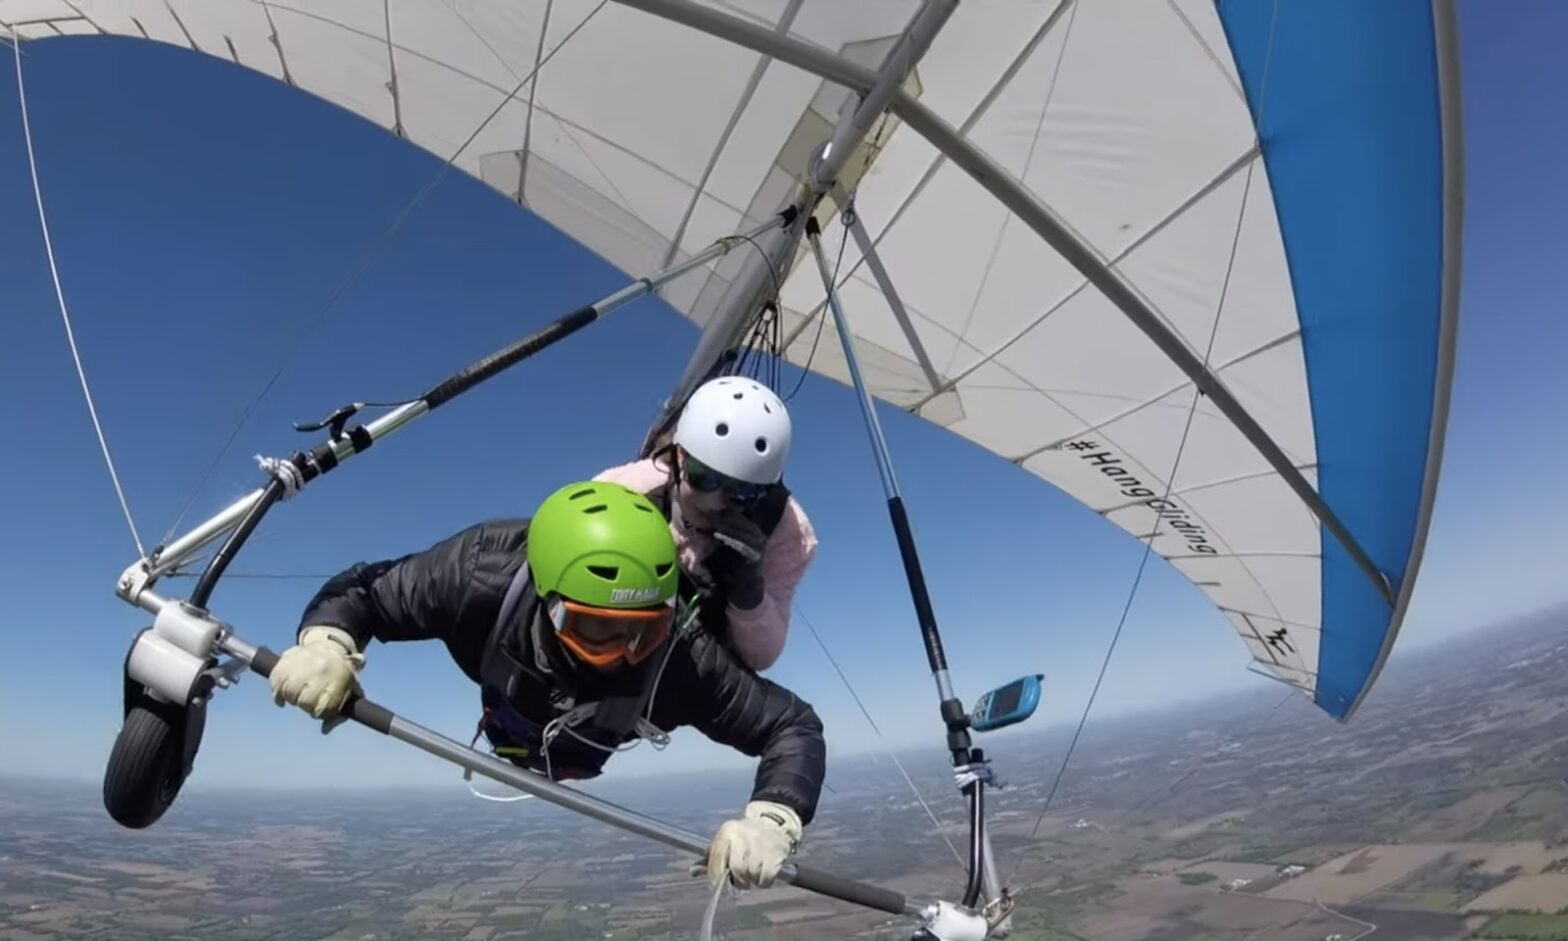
(1321, 141)
(1197, 266)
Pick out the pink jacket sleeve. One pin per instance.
(757, 635)
(641, 476)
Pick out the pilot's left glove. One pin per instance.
(751, 850)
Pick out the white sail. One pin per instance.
(1277, 182)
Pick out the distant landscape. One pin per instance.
(1440, 812)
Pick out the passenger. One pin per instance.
(744, 541)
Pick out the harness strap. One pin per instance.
(498, 668)
(601, 725)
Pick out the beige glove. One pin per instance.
(318, 673)
(752, 849)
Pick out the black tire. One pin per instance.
(146, 767)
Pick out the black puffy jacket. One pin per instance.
(453, 592)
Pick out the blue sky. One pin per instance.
(203, 215)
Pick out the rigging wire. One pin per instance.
(962, 862)
(773, 271)
(356, 407)
(1148, 546)
(59, 293)
(256, 576)
(770, 332)
(1166, 790)
(758, 350)
(366, 260)
(764, 333)
(1001, 232)
(823, 316)
(762, 354)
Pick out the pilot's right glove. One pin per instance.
(318, 673)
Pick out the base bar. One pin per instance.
(381, 719)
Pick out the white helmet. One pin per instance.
(738, 427)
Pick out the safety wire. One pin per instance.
(1148, 545)
(194, 568)
(367, 259)
(706, 933)
(59, 293)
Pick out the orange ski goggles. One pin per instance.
(602, 636)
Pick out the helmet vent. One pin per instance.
(663, 568)
(597, 508)
(643, 507)
(607, 572)
(739, 396)
(586, 491)
(761, 445)
(722, 430)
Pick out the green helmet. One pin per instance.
(602, 544)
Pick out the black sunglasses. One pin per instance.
(705, 479)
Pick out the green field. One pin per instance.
(1527, 927)
(1429, 900)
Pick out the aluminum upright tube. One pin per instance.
(952, 710)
